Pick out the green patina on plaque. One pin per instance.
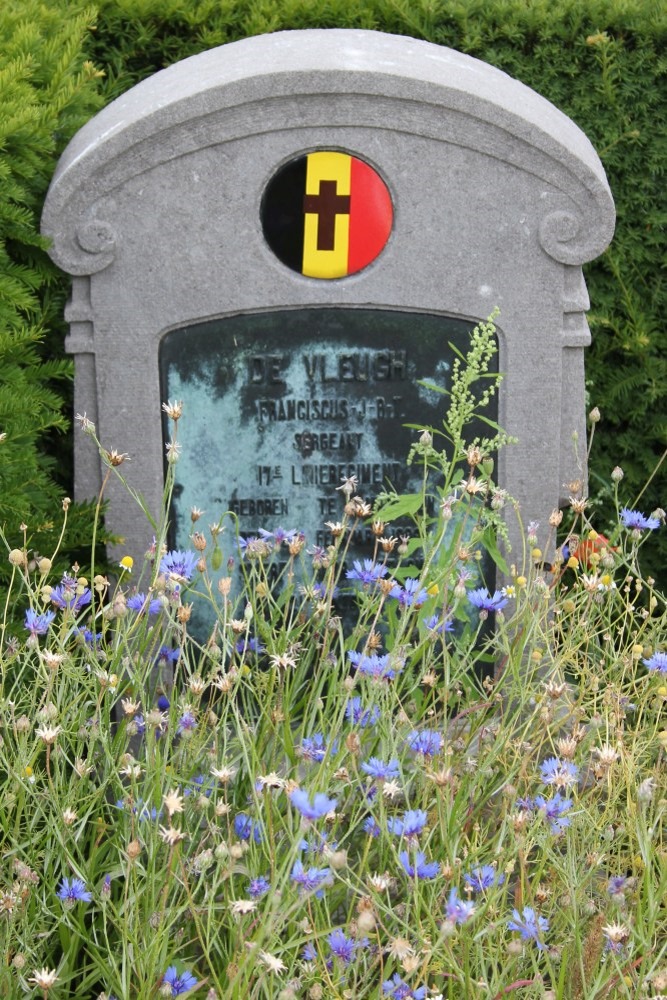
(280, 407)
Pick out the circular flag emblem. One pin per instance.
(326, 214)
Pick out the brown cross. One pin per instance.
(326, 206)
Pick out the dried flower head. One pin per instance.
(48, 734)
(174, 410)
(578, 504)
(272, 962)
(173, 802)
(114, 458)
(241, 907)
(170, 835)
(44, 978)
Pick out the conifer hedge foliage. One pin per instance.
(47, 91)
(602, 62)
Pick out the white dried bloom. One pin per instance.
(174, 410)
(173, 802)
(44, 978)
(240, 907)
(646, 790)
(170, 835)
(272, 962)
(223, 774)
(48, 734)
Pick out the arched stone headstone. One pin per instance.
(199, 215)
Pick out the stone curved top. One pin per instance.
(315, 62)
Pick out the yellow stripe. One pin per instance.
(327, 263)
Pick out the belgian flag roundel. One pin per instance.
(326, 214)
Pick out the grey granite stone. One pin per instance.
(498, 199)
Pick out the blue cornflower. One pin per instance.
(319, 807)
(187, 722)
(137, 725)
(280, 535)
(64, 596)
(561, 773)
(144, 811)
(636, 521)
(617, 885)
(139, 603)
(410, 595)
(657, 662)
(554, 810)
(377, 768)
(399, 989)
(74, 890)
(458, 910)
(167, 655)
(163, 703)
(309, 879)
(179, 565)
(321, 591)
(412, 824)
(483, 878)
(529, 925)
(318, 844)
(309, 954)
(485, 602)
(371, 827)
(179, 983)
(246, 828)
(253, 547)
(426, 741)
(359, 716)
(373, 665)
(38, 624)
(90, 638)
(342, 947)
(249, 645)
(258, 887)
(421, 867)
(437, 625)
(203, 785)
(315, 747)
(370, 572)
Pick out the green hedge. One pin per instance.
(47, 91)
(600, 61)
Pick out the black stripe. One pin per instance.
(282, 213)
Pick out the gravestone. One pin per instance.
(288, 232)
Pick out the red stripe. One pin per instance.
(371, 216)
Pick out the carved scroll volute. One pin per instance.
(570, 238)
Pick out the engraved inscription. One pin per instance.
(284, 406)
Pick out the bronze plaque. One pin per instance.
(280, 407)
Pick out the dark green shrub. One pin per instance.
(47, 91)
